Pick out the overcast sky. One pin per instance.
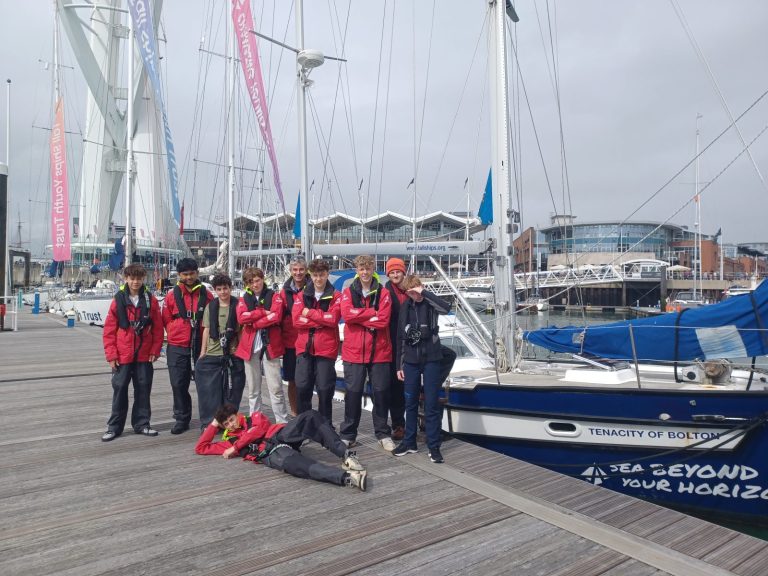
(414, 104)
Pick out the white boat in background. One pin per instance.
(480, 298)
(737, 290)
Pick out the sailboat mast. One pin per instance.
(231, 146)
(501, 184)
(697, 223)
(56, 79)
(129, 152)
(306, 241)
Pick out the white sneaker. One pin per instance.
(351, 462)
(356, 479)
(387, 444)
(349, 443)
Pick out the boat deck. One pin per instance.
(74, 505)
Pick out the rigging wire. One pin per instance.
(375, 111)
(700, 54)
(386, 117)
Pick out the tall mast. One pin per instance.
(302, 83)
(501, 184)
(129, 154)
(261, 216)
(231, 146)
(697, 223)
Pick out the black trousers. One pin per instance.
(396, 398)
(355, 376)
(179, 360)
(311, 425)
(216, 385)
(307, 425)
(288, 460)
(141, 374)
(315, 373)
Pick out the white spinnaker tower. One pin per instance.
(99, 47)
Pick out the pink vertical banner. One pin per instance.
(59, 189)
(249, 59)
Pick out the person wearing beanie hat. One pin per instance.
(396, 269)
(395, 264)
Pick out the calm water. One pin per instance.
(577, 318)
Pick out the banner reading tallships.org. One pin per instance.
(144, 29)
(59, 189)
(249, 58)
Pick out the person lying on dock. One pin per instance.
(277, 445)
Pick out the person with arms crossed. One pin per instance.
(316, 313)
(292, 286)
(366, 351)
(259, 312)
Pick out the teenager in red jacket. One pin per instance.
(316, 315)
(278, 445)
(182, 318)
(367, 351)
(133, 336)
(396, 269)
(259, 312)
(292, 286)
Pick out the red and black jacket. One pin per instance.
(257, 431)
(253, 315)
(288, 294)
(366, 340)
(133, 333)
(318, 331)
(183, 313)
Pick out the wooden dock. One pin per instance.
(71, 504)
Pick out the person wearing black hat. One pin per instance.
(182, 318)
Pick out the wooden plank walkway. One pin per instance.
(71, 504)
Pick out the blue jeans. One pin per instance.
(433, 413)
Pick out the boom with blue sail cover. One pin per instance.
(734, 328)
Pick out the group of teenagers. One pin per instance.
(222, 342)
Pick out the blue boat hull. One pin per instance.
(669, 447)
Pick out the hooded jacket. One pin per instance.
(318, 331)
(366, 340)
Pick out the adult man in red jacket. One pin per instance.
(367, 351)
(292, 286)
(278, 445)
(259, 312)
(316, 315)
(182, 318)
(133, 336)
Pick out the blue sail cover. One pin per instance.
(734, 328)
